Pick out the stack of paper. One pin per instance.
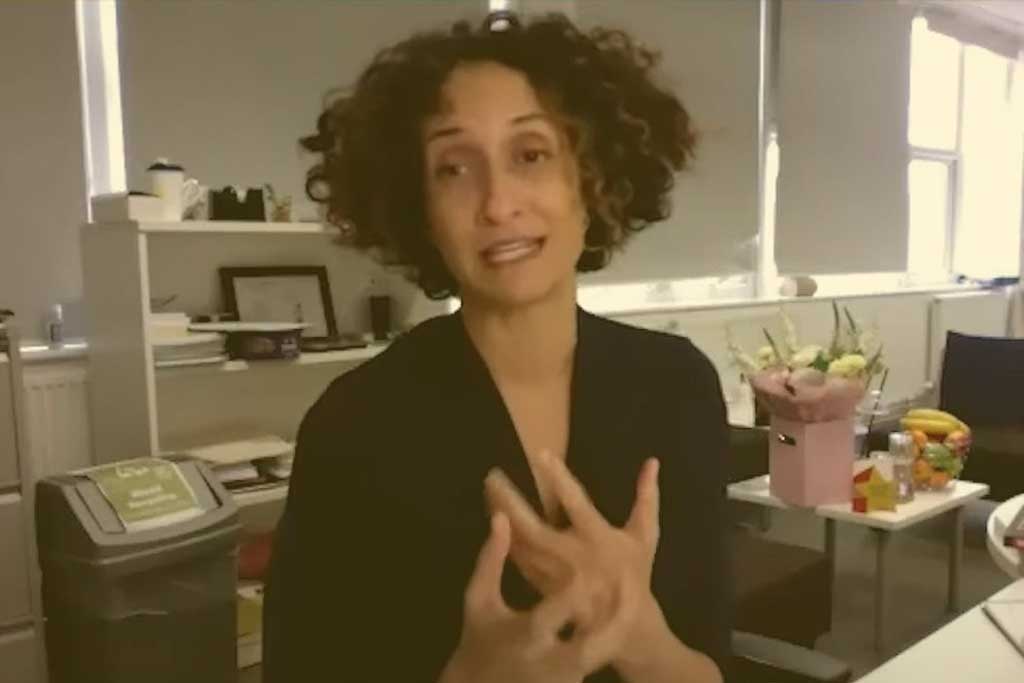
(256, 461)
(188, 349)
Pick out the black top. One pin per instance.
(386, 513)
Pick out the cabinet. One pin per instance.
(21, 625)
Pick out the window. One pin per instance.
(966, 158)
(988, 239)
(930, 213)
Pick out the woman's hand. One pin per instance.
(619, 619)
(500, 645)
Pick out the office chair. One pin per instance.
(982, 383)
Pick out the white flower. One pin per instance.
(850, 365)
(791, 337)
(766, 356)
(805, 356)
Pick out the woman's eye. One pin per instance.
(449, 170)
(534, 156)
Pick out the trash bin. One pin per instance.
(138, 563)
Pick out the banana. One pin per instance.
(939, 427)
(932, 414)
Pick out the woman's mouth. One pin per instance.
(511, 251)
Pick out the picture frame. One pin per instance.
(281, 294)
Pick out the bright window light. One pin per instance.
(929, 188)
(934, 88)
(988, 238)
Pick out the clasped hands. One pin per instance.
(594, 578)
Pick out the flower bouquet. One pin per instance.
(812, 392)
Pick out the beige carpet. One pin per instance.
(917, 570)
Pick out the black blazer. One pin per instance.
(386, 512)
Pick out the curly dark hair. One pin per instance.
(629, 135)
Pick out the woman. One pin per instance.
(495, 163)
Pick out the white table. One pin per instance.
(969, 648)
(926, 505)
(1008, 559)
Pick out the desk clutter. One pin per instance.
(178, 341)
(172, 196)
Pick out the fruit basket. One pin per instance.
(941, 442)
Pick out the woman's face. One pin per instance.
(502, 189)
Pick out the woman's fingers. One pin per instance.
(544, 571)
(550, 617)
(643, 520)
(573, 497)
(483, 593)
(529, 528)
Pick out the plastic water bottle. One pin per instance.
(901, 448)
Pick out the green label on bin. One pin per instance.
(146, 493)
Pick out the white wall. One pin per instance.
(42, 186)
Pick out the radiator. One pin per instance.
(985, 313)
(57, 413)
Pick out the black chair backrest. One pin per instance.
(983, 380)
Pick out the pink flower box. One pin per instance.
(811, 463)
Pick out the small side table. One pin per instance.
(926, 505)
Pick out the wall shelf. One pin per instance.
(140, 409)
(358, 355)
(221, 227)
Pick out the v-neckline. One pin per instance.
(517, 465)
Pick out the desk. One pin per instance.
(969, 648)
(926, 505)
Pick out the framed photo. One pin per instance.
(286, 294)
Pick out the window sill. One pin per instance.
(663, 303)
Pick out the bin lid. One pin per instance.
(133, 509)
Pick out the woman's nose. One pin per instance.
(500, 202)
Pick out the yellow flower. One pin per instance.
(850, 365)
(805, 356)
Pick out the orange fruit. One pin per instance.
(920, 438)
